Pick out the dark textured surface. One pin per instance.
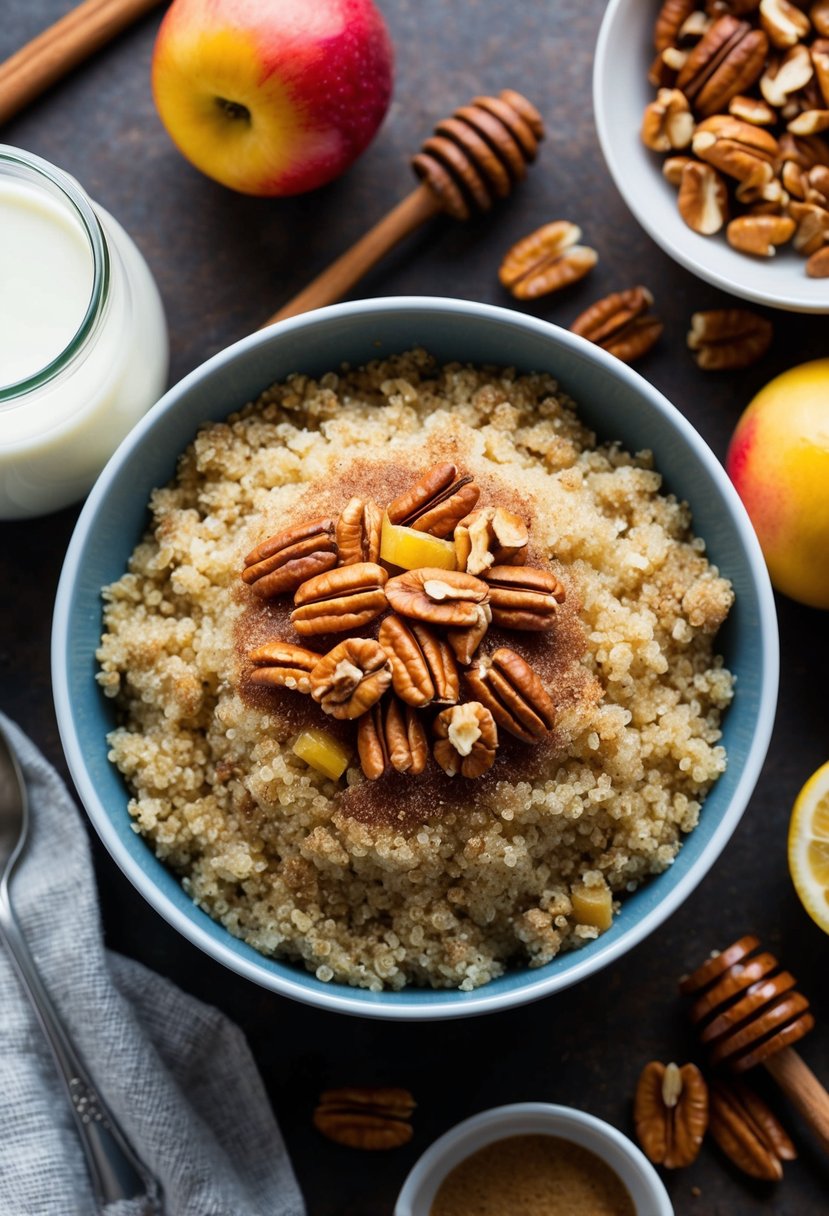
(223, 263)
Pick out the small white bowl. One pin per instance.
(620, 93)
(531, 1119)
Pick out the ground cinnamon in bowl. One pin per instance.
(532, 1176)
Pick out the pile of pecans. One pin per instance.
(426, 654)
(742, 109)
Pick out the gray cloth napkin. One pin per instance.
(176, 1073)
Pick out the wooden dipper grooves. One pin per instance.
(748, 1011)
(473, 159)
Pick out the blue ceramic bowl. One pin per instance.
(615, 401)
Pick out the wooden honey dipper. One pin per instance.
(748, 1011)
(470, 161)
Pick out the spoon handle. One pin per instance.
(114, 1168)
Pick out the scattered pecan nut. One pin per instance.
(438, 597)
(523, 597)
(748, 1132)
(366, 1118)
(467, 739)
(727, 339)
(491, 536)
(667, 124)
(391, 735)
(284, 561)
(547, 260)
(283, 665)
(422, 664)
(671, 1113)
(348, 680)
(703, 198)
(512, 692)
(620, 324)
(436, 503)
(358, 532)
(346, 598)
(727, 60)
(760, 234)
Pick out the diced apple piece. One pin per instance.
(593, 906)
(322, 752)
(412, 550)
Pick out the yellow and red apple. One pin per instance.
(272, 97)
(779, 462)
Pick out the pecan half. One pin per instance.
(752, 109)
(512, 692)
(820, 62)
(467, 739)
(488, 537)
(785, 75)
(785, 24)
(438, 597)
(726, 339)
(391, 735)
(365, 1118)
(348, 680)
(810, 122)
(812, 227)
(283, 665)
(817, 266)
(422, 664)
(671, 1113)
(346, 598)
(465, 642)
(738, 149)
(667, 123)
(702, 198)
(285, 560)
(669, 21)
(673, 166)
(748, 1132)
(436, 502)
(819, 16)
(358, 531)
(619, 324)
(726, 61)
(547, 260)
(760, 234)
(523, 597)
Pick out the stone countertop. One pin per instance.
(224, 262)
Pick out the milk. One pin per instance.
(83, 340)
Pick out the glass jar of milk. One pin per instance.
(83, 341)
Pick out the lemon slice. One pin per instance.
(809, 847)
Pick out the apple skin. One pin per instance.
(272, 97)
(778, 460)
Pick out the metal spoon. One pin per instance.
(115, 1169)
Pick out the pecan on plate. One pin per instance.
(812, 227)
(547, 260)
(467, 739)
(817, 266)
(285, 560)
(523, 597)
(465, 642)
(283, 665)
(669, 21)
(436, 502)
(739, 149)
(491, 536)
(727, 339)
(726, 61)
(785, 24)
(358, 531)
(819, 14)
(673, 166)
(667, 123)
(620, 324)
(702, 198)
(820, 62)
(348, 680)
(785, 75)
(365, 1118)
(438, 597)
(512, 692)
(760, 234)
(671, 1113)
(346, 598)
(391, 735)
(423, 667)
(752, 109)
(747, 1131)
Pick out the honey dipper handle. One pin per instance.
(61, 47)
(803, 1090)
(330, 286)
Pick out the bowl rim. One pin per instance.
(566, 1122)
(306, 987)
(606, 46)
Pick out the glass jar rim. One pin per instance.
(68, 188)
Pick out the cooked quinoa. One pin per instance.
(416, 880)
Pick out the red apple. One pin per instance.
(272, 96)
